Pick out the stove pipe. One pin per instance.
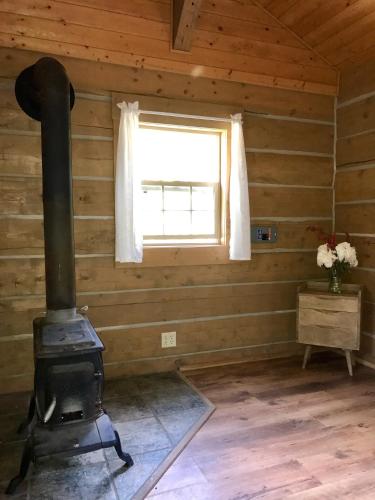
(44, 93)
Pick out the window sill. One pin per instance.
(168, 256)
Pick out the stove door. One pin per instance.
(69, 389)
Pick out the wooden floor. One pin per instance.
(280, 433)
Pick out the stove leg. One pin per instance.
(24, 467)
(30, 415)
(124, 456)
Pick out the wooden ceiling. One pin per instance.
(341, 31)
(234, 40)
(293, 44)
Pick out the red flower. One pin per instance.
(329, 238)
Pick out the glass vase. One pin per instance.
(335, 283)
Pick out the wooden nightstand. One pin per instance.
(328, 319)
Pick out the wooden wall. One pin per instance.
(221, 313)
(355, 184)
(234, 40)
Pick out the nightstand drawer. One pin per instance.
(335, 319)
(329, 303)
(329, 337)
(328, 328)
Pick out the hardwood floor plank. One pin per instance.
(280, 432)
(183, 474)
(359, 486)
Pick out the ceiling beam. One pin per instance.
(184, 17)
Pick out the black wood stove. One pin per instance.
(66, 414)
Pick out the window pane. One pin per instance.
(152, 198)
(203, 223)
(203, 198)
(176, 198)
(179, 155)
(152, 222)
(177, 223)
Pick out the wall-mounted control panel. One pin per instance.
(263, 234)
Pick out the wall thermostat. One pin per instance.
(263, 234)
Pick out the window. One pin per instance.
(181, 184)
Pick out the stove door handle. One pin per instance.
(50, 410)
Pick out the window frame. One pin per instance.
(220, 190)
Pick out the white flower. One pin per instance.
(326, 257)
(353, 261)
(347, 253)
(342, 250)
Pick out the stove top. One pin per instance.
(65, 337)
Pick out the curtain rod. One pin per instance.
(180, 115)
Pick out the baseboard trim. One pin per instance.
(203, 366)
(364, 362)
(358, 360)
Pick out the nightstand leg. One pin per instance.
(348, 355)
(307, 355)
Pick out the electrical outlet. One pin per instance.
(168, 339)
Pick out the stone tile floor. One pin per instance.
(154, 415)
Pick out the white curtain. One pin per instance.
(128, 191)
(239, 244)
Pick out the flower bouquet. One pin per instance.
(337, 258)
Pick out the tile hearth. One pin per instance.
(155, 415)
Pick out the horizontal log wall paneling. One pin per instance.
(355, 192)
(99, 76)
(221, 312)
